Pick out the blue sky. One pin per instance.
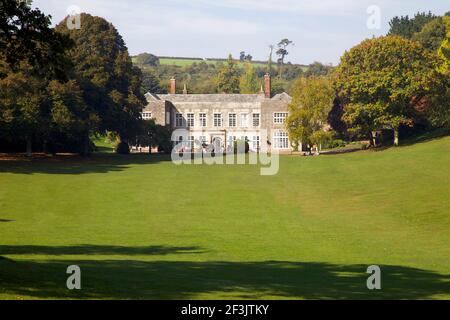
(321, 29)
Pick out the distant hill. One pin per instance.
(185, 61)
(199, 74)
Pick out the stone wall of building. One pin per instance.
(225, 104)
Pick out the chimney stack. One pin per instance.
(267, 86)
(173, 85)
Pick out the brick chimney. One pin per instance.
(173, 85)
(267, 86)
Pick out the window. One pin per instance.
(279, 117)
(244, 120)
(217, 119)
(232, 119)
(202, 140)
(202, 119)
(256, 120)
(178, 120)
(231, 140)
(167, 117)
(255, 143)
(191, 143)
(190, 119)
(146, 115)
(280, 140)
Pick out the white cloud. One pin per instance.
(152, 17)
(321, 29)
(306, 6)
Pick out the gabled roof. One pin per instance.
(282, 97)
(215, 97)
(151, 97)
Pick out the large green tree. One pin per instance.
(388, 82)
(32, 55)
(103, 67)
(312, 99)
(228, 77)
(22, 96)
(26, 36)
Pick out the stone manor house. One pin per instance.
(224, 117)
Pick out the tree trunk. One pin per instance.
(300, 146)
(29, 146)
(396, 137)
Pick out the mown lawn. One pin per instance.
(141, 227)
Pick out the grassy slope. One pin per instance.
(149, 229)
(186, 62)
(181, 62)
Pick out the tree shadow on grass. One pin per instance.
(97, 163)
(6, 220)
(427, 136)
(129, 279)
(96, 250)
(416, 139)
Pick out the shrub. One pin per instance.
(336, 143)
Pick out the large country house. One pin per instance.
(224, 117)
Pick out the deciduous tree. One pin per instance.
(388, 82)
(103, 67)
(249, 82)
(228, 77)
(432, 34)
(312, 100)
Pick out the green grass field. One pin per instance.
(186, 62)
(182, 62)
(141, 227)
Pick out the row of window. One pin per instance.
(254, 142)
(146, 115)
(180, 121)
(189, 121)
(280, 140)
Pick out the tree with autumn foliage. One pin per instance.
(312, 100)
(388, 82)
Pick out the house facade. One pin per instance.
(225, 118)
